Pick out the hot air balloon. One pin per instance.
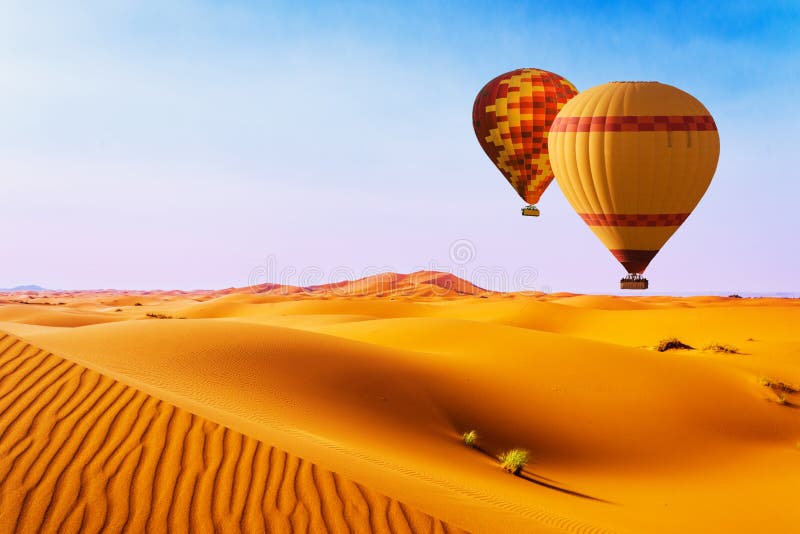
(634, 159)
(511, 116)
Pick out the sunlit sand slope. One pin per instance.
(80, 452)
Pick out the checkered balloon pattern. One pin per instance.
(512, 116)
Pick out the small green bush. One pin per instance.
(672, 343)
(514, 461)
(469, 438)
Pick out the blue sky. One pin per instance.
(193, 145)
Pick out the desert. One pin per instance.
(341, 408)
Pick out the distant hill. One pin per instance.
(417, 284)
(23, 288)
(420, 284)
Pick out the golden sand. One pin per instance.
(372, 392)
(80, 452)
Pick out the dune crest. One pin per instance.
(417, 284)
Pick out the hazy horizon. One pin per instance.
(32, 288)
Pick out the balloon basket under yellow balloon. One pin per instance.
(634, 281)
(530, 211)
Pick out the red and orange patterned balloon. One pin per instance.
(512, 116)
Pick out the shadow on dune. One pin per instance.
(540, 481)
(545, 482)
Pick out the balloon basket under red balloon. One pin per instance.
(530, 211)
(634, 281)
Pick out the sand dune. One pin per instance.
(374, 386)
(417, 284)
(80, 452)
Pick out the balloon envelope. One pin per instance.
(634, 159)
(511, 116)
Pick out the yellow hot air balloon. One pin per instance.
(634, 159)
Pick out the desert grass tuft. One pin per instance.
(719, 347)
(778, 386)
(782, 390)
(514, 461)
(158, 316)
(470, 438)
(672, 343)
